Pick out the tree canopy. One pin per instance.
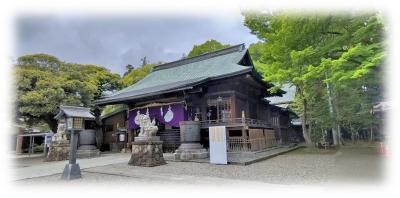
(136, 74)
(326, 55)
(44, 82)
(208, 46)
(128, 68)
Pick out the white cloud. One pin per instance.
(115, 41)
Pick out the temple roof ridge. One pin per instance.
(231, 49)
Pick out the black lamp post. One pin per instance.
(72, 169)
(74, 118)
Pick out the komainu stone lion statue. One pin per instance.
(148, 127)
(60, 136)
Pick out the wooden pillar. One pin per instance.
(45, 147)
(244, 134)
(218, 111)
(279, 129)
(30, 150)
(18, 147)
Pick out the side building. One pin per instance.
(114, 130)
(286, 122)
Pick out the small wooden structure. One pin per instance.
(32, 136)
(114, 128)
(220, 88)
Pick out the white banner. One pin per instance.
(218, 150)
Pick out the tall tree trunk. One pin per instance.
(339, 129)
(352, 134)
(352, 137)
(333, 115)
(304, 124)
(310, 128)
(371, 131)
(49, 119)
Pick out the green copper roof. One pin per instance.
(183, 74)
(284, 100)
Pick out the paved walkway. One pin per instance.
(300, 167)
(51, 168)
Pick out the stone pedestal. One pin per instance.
(58, 151)
(147, 139)
(87, 144)
(87, 151)
(190, 147)
(147, 153)
(189, 151)
(71, 171)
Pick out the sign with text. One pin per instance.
(48, 139)
(218, 151)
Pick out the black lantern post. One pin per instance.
(75, 121)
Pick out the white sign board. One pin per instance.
(48, 139)
(218, 151)
(121, 137)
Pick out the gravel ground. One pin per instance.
(287, 169)
(298, 167)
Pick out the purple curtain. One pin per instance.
(168, 114)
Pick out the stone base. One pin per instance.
(147, 153)
(58, 151)
(189, 151)
(145, 138)
(71, 171)
(87, 151)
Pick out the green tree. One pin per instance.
(128, 68)
(108, 109)
(313, 51)
(208, 46)
(44, 83)
(136, 74)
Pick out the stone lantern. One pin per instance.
(74, 119)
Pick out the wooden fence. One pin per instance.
(258, 139)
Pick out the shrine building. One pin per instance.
(220, 88)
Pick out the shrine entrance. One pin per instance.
(219, 109)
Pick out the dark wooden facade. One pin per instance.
(233, 99)
(111, 124)
(237, 102)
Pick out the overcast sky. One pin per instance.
(115, 41)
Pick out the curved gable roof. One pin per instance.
(183, 74)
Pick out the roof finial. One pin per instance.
(242, 47)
